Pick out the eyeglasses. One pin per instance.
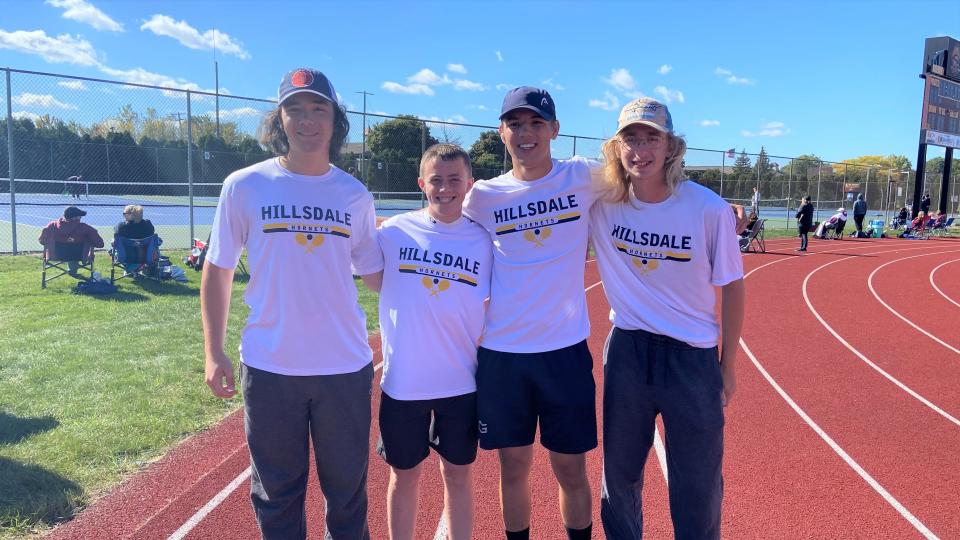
(632, 142)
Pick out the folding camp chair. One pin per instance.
(753, 242)
(61, 255)
(136, 257)
(198, 255)
(940, 228)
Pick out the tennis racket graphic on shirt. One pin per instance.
(429, 282)
(309, 241)
(537, 235)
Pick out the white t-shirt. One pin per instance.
(660, 262)
(436, 277)
(539, 232)
(301, 233)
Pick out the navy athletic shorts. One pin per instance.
(409, 428)
(556, 388)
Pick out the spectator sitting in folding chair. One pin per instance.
(836, 224)
(133, 226)
(71, 231)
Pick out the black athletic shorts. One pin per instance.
(515, 390)
(409, 428)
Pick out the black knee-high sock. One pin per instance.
(580, 534)
(519, 535)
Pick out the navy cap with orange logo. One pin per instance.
(306, 80)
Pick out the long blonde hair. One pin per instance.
(617, 181)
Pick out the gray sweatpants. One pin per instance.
(645, 375)
(282, 414)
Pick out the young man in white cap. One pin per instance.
(661, 276)
(435, 281)
(306, 369)
(534, 365)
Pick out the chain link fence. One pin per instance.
(169, 150)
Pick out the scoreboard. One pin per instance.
(941, 105)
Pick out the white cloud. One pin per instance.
(47, 101)
(428, 77)
(499, 55)
(239, 112)
(463, 84)
(398, 88)
(189, 36)
(768, 129)
(608, 103)
(457, 68)
(504, 86)
(478, 107)
(19, 115)
(664, 69)
(731, 78)
(708, 123)
(73, 85)
(141, 76)
(458, 118)
(669, 95)
(550, 84)
(61, 49)
(621, 80)
(86, 13)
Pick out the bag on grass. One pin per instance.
(95, 287)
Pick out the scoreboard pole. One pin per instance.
(920, 176)
(945, 181)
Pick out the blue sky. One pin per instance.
(835, 79)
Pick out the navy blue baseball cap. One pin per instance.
(306, 80)
(528, 97)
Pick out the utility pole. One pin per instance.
(363, 145)
(216, 80)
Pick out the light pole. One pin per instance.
(363, 144)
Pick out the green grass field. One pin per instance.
(92, 389)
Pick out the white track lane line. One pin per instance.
(661, 452)
(213, 503)
(933, 282)
(861, 356)
(917, 524)
(195, 519)
(895, 312)
(833, 445)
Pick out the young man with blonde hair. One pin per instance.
(661, 275)
(436, 278)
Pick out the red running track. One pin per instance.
(845, 423)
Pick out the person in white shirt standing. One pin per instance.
(436, 278)
(534, 364)
(306, 367)
(660, 274)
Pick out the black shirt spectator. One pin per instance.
(134, 226)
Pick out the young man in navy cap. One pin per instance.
(533, 363)
(307, 227)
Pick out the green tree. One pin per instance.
(395, 146)
(486, 153)
(399, 140)
(742, 171)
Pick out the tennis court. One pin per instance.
(166, 205)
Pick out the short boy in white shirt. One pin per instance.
(664, 246)
(306, 369)
(436, 278)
